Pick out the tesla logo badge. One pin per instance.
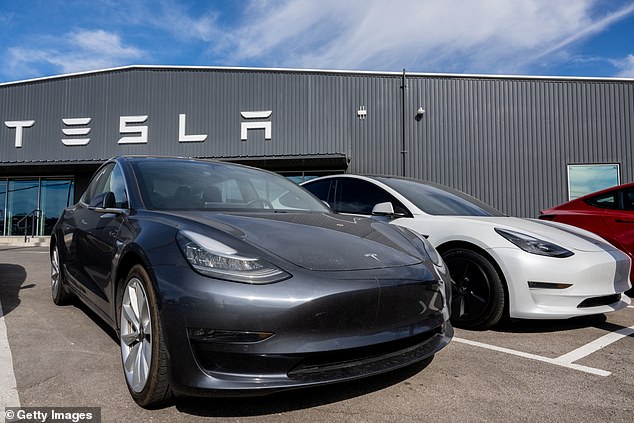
(246, 126)
(372, 255)
(19, 125)
(140, 131)
(78, 131)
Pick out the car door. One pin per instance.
(620, 221)
(95, 237)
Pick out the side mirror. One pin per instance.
(383, 209)
(105, 200)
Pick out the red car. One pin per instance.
(608, 213)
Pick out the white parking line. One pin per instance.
(595, 345)
(8, 388)
(554, 361)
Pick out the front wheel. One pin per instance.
(59, 292)
(143, 351)
(478, 292)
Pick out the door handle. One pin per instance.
(623, 221)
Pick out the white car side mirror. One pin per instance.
(383, 209)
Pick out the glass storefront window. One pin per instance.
(55, 194)
(21, 197)
(21, 200)
(3, 204)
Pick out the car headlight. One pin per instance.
(431, 251)
(212, 258)
(534, 245)
(424, 245)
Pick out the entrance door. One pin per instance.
(3, 204)
(22, 200)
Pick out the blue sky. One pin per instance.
(529, 37)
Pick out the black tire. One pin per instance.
(150, 389)
(59, 291)
(478, 292)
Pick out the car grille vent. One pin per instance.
(362, 361)
(600, 301)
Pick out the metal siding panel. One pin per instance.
(508, 142)
(505, 140)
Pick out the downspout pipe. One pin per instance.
(403, 149)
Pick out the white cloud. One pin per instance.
(79, 51)
(101, 42)
(450, 35)
(465, 36)
(626, 67)
(172, 17)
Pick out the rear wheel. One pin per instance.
(59, 292)
(478, 292)
(143, 351)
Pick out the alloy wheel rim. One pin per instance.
(136, 335)
(472, 290)
(55, 275)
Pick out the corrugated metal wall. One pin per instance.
(505, 140)
(509, 141)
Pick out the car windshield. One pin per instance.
(172, 184)
(439, 200)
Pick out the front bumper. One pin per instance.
(314, 328)
(596, 282)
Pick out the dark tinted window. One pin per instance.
(97, 183)
(360, 197)
(628, 199)
(108, 179)
(320, 189)
(605, 201)
(439, 200)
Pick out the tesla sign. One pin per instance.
(134, 130)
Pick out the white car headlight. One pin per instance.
(534, 245)
(212, 258)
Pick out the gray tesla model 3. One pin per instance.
(220, 278)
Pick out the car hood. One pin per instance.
(567, 236)
(317, 241)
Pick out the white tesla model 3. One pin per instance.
(501, 266)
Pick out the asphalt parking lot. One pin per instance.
(578, 370)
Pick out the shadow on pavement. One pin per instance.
(546, 326)
(598, 321)
(12, 276)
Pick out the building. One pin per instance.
(518, 143)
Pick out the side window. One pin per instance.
(628, 199)
(117, 186)
(360, 197)
(109, 178)
(605, 201)
(320, 189)
(97, 184)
